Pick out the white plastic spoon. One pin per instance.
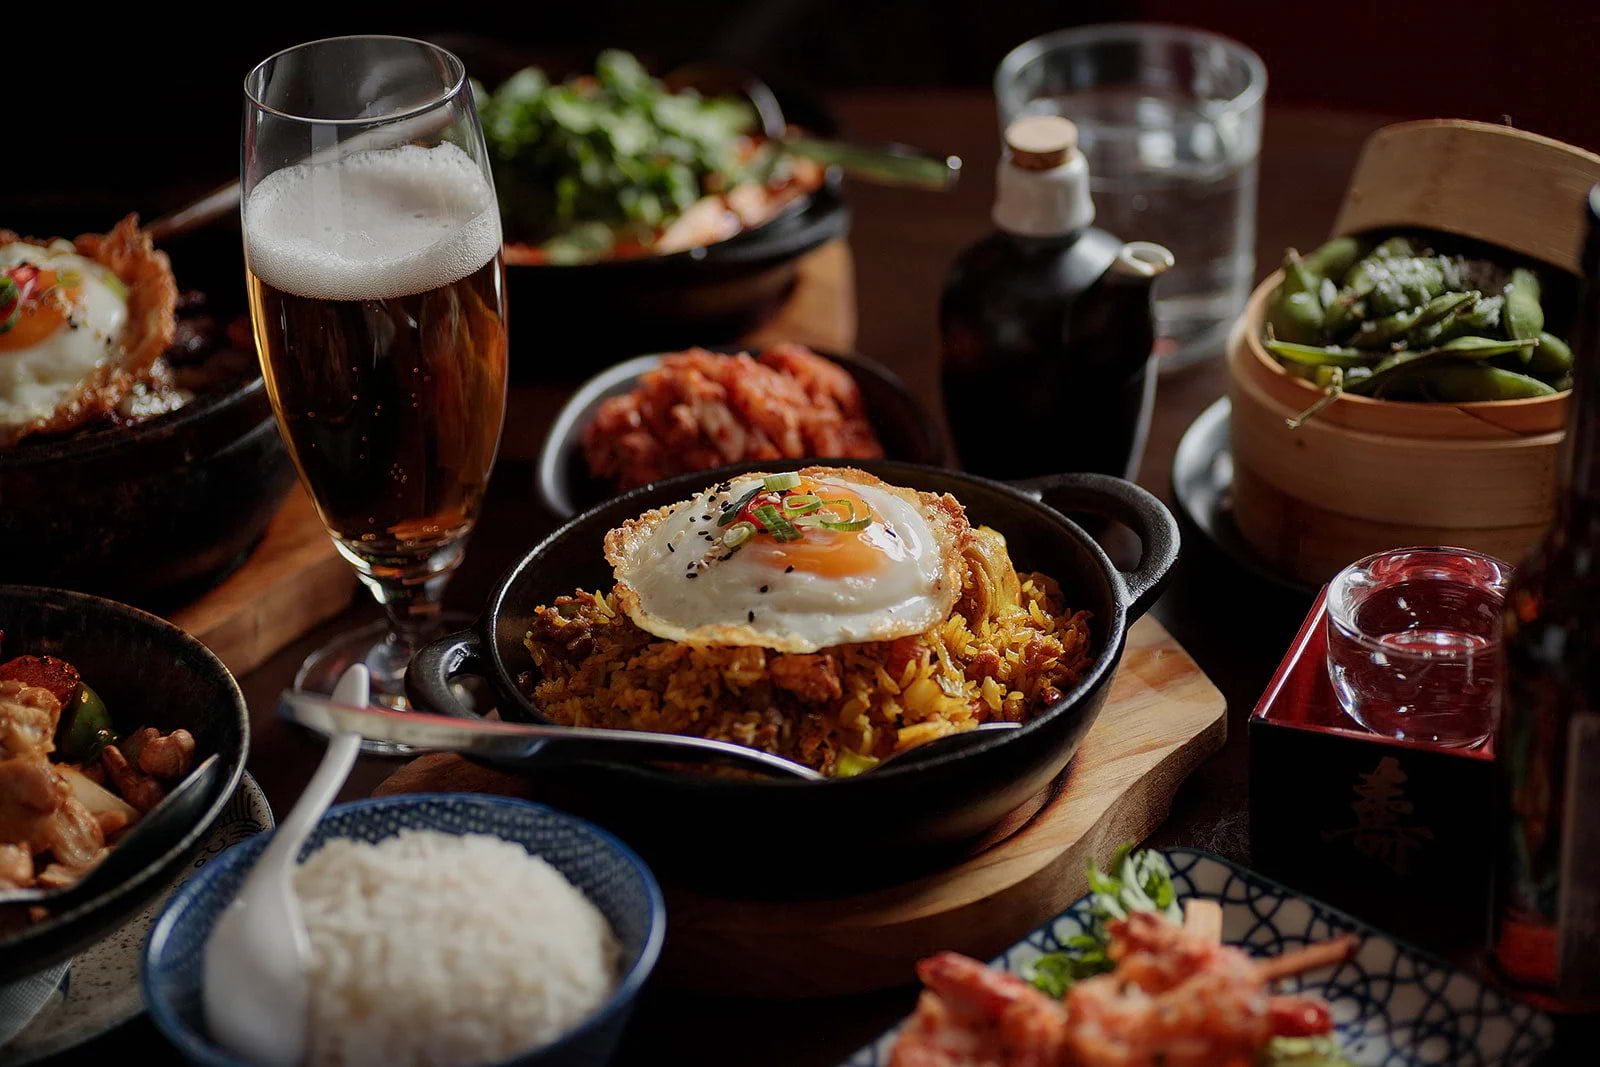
(257, 960)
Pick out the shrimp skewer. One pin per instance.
(1177, 998)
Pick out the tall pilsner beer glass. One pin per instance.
(377, 293)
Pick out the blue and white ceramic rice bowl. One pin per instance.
(605, 870)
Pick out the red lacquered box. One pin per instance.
(1398, 832)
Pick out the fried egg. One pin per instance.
(683, 573)
(80, 323)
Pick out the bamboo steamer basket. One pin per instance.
(1367, 475)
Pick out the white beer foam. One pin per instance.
(373, 225)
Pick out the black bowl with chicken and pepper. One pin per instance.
(103, 710)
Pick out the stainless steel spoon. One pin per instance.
(497, 740)
(150, 837)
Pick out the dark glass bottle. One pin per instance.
(1546, 936)
(1047, 325)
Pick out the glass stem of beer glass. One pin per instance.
(412, 598)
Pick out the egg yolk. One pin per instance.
(38, 305)
(833, 553)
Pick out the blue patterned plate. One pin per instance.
(101, 991)
(1394, 1005)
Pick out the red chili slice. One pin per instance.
(1293, 1015)
(47, 672)
(16, 285)
(748, 512)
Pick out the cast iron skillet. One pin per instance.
(566, 487)
(153, 512)
(150, 673)
(797, 837)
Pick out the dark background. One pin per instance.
(145, 105)
(140, 111)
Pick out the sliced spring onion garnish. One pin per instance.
(801, 504)
(849, 764)
(731, 512)
(776, 524)
(777, 483)
(846, 525)
(114, 283)
(738, 534)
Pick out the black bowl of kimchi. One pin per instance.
(149, 673)
(566, 485)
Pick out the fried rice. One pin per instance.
(1008, 650)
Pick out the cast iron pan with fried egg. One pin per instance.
(797, 837)
(154, 511)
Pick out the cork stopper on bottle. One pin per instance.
(1041, 142)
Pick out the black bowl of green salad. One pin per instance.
(642, 211)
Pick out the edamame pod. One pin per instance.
(1481, 319)
(1314, 356)
(1376, 332)
(1479, 347)
(1466, 383)
(1347, 309)
(1335, 258)
(1342, 317)
(1524, 315)
(1392, 248)
(1385, 373)
(1296, 314)
(1405, 283)
(1551, 359)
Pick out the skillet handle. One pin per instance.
(1140, 511)
(435, 665)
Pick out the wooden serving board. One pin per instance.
(293, 580)
(1161, 719)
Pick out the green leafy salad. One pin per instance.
(1142, 881)
(604, 165)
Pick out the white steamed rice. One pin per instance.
(439, 950)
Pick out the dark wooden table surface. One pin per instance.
(1235, 627)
